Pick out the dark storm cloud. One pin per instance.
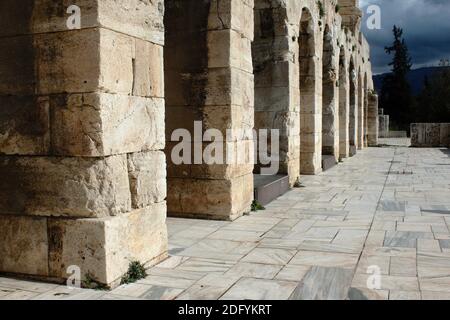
(426, 26)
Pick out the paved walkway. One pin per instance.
(385, 211)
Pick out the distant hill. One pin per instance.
(415, 78)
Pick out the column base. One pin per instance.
(210, 199)
(102, 248)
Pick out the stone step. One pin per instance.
(328, 162)
(268, 188)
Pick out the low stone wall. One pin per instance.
(396, 134)
(430, 135)
(383, 126)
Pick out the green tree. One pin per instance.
(396, 96)
(433, 103)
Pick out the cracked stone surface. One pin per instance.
(386, 209)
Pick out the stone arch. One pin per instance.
(309, 132)
(329, 112)
(215, 91)
(353, 110)
(344, 95)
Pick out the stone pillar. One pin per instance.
(353, 113)
(361, 102)
(350, 13)
(366, 119)
(330, 103)
(372, 120)
(344, 113)
(310, 72)
(82, 117)
(209, 79)
(277, 98)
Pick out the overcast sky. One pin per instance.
(426, 27)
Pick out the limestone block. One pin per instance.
(289, 147)
(270, 49)
(275, 74)
(293, 170)
(148, 70)
(229, 86)
(71, 187)
(102, 124)
(43, 16)
(23, 245)
(241, 162)
(24, 125)
(17, 65)
(184, 88)
(270, 18)
(147, 175)
(288, 123)
(213, 199)
(232, 14)
(103, 248)
(226, 48)
(140, 19)
(273, 99)
(75, 61)
(311, 163)
(310, 123)
(235, 120)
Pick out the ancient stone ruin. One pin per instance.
(88, 115)
(430, 135)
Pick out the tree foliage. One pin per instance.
(433, 103)
(396, 95)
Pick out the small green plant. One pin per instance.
(321, 8)
(89, 282)
(256, 206)
(337, 8)
(136, 271)
(298, 184)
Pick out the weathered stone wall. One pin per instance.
(288, 46)
(430, 135)
(81, 126)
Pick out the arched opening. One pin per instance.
(353, 111)
(310, 162)
(344, 146)
(274, 110)
(329, 114)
